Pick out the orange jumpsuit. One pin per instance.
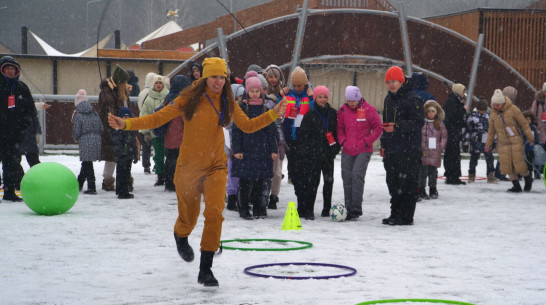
(201, 167)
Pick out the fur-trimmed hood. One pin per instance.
(439, 111)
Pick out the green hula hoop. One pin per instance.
(306, 245)
(414, 300)
(544, 173)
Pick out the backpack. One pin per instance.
(160, 131)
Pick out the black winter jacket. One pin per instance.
(313, 143)
(405, 109)
(14, 121)
(455, 117)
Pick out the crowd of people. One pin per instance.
(225, 138)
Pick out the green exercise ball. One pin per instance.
(49, 188)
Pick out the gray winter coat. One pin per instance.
(87, 131)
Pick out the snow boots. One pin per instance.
(491, 178)
(528, 182)
(81, 180)
(206, 277)
(273, 200)
(516, 188)
(423, 194)
(91, 188)
(184, 249)
(433, 193)
(471, 178)
(109, 184)
(160, 180)
(232, 202)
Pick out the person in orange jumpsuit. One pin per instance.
(201, 169)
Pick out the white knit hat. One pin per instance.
(458, 89)
(80, 97)
(498, 97)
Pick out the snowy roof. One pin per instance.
(51, 51)
(166, 29)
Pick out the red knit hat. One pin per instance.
(395, 73)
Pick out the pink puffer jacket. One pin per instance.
(358, 136)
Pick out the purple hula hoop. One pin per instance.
(351, 273)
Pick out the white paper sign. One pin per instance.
(298, 120)
(432, 143)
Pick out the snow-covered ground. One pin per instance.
(476, 244)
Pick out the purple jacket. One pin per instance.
(358, 136)
(433, 157)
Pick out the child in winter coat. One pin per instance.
(358, 127)
(506, 122)
(87, 132)
(529, 115)
(275, 83)
(156, 97)
(299, 102)
(318, 149)
(433, 142)
(232, 187)
(253, 155)
(476, 134)
(125, 149)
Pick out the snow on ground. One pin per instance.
(476, 244)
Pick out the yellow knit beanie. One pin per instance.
(298, 77)
(214, 66)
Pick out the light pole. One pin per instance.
(87, 23)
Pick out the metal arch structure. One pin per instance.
(445, 55)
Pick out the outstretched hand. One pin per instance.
(115, 122)
(280, 108)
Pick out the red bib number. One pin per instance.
(361, 114)
(544, 117)
(330, 138)
(293, 112)
(11, 101)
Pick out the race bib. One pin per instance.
(293, 113)
(544, 117)
(484, 138)
(330, 138)
(510, 132)
(11, 101)
(432, 143)
(297, 122)
(361, 114)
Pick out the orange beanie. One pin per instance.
(395, 73)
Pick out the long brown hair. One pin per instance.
(196, 91)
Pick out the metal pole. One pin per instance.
(405, 38)
(222, 44)
(299, 36)
(474, 72)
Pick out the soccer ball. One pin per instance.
(338, 212)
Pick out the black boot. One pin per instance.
(528, 183)
(9, 195)
(273, 200)
(184, 249)
(160, 180)
(232, 203)
(81, 180)
(244, 207)
(205, 274)
(433, 193)
(91, 188)
(516, 188)
(423, 194)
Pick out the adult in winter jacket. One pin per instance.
(87, 132)
(507, 123)
(358, 127)
(156, 97)
(455, 111)
(403, 119)
(133, 82)
(114, 94)
(175, 130)
(319, 146)
(146, 143)
(207, 106)
(433, 142)
(17, 112)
